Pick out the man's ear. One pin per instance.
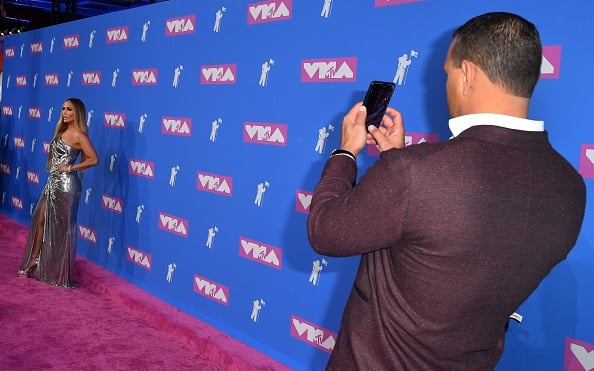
(468, 76)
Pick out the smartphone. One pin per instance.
(377, 100)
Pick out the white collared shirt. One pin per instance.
(461, 123)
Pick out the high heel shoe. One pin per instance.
(32, 264)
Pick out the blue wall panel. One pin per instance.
(202, 192)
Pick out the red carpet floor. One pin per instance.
(104, 324)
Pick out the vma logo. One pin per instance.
(144, 76)
(139, 258)
(87, 233)
(9, 52)
(32, 177)
(312, 334)
(550, 67)
(114, 120)
(21, 81)
(176, 126)
(329, 70)
(17, 203)
(113, 204)
(218, 74)
(4, 168)
(142, 168)
(409, 140)
(219, 184)
(71, 42)
(587, 161)
(91, 78)
(173, 224)
(116, 35)
(7, 111)
(34, 113)
(303, 201)
(51, 79)
(37, 47)
(579, 355)
(273, 134)
(380, 3)
(418, 138)
(269, 11)
(257, 251)
(19, 142)
(211, 290)
(180, 25)
(46, 146)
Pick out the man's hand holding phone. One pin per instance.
(373, 122)
(390, 134)
(377, 100)
(354, 135)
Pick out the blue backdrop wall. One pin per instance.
(213, 120)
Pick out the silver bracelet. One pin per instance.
(343, 152)
(69, 168)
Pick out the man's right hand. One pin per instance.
(390, 134)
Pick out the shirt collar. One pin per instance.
(461, 123)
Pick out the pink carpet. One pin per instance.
(104, 324)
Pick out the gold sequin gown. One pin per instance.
(61, 196)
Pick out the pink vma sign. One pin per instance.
(587, 161)
(409, 139)
(303, 201)
(579, 355)
(551, 62)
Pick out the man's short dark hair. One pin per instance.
(505, 46)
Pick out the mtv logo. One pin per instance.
(212, 290)
(329, 70)
(551, 62)
(32, 177)
(21, 81)
(139, 258)
(312, 334)
(180, 26)
(218, 74)
(117, 34)
(579, 355)
(260, 252)
(268, 11)
(37, 47)
(17, 202)
(273, 134)
(587, 161)
(87, 233)
(71, 41)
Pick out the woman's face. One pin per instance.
(68, 112)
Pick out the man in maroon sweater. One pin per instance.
(453, 236)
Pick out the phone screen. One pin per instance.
(377, 100)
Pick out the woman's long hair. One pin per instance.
(80, 113)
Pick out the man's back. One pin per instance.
(486, 216)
